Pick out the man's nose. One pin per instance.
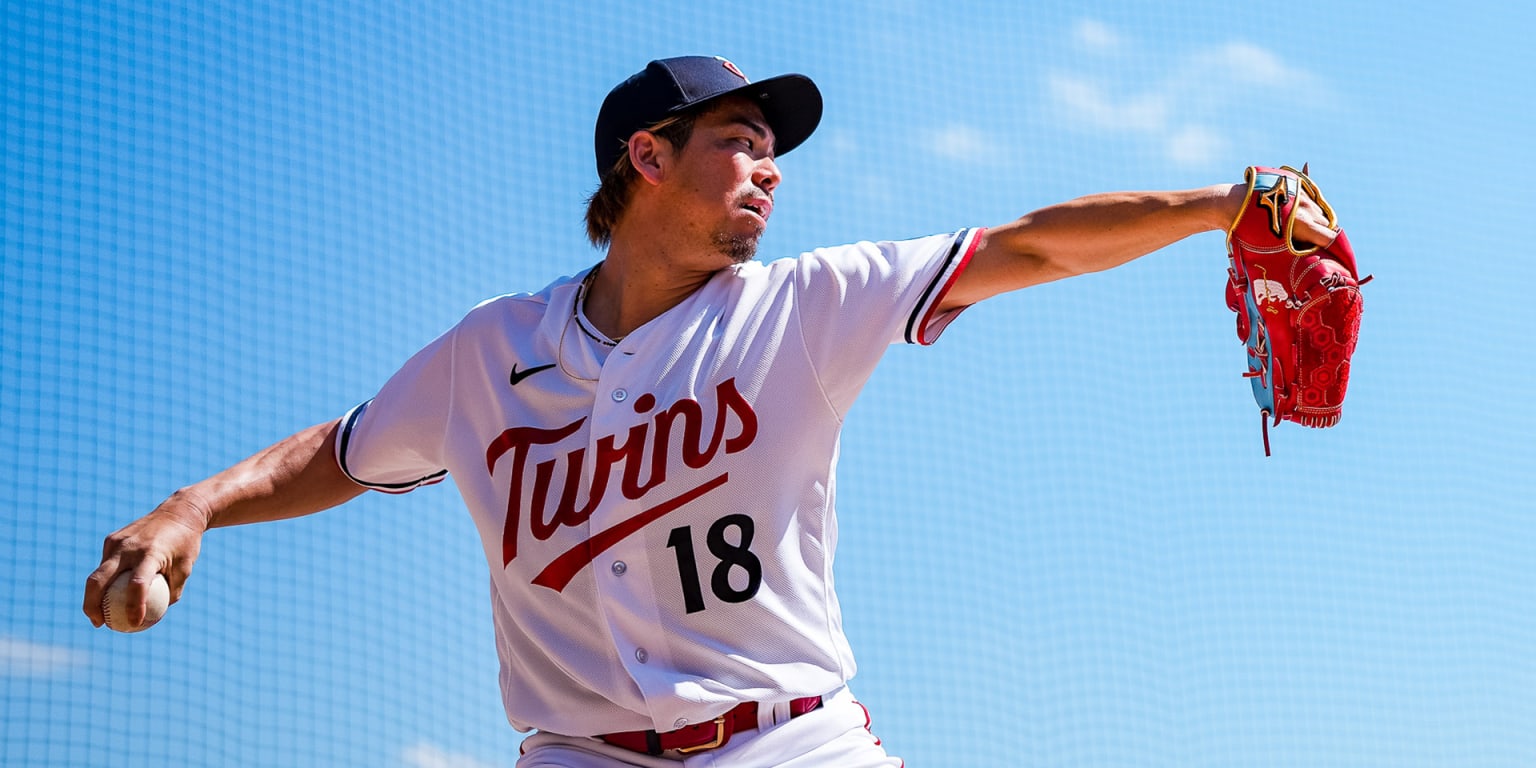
(766, 175)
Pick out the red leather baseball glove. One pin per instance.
(1298, 306)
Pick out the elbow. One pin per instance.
(1033, 260)
(1034, 266)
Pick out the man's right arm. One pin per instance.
(294, 477)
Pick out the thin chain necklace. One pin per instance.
(577, 310)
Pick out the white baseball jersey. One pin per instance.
(657, 512)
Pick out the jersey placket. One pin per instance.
(626, 585)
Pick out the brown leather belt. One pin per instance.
(697, 738)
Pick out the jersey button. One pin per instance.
(620, 395)
(641, 656)
(679, 723)
(619, 568)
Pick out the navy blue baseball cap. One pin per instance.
(791, 103)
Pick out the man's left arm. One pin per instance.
(1103, 231)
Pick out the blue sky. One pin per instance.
(1061, 541)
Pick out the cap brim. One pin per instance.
(791, 104)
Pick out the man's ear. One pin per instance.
(650, 155)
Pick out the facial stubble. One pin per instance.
(738, 248)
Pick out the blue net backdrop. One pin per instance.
(1061, 543)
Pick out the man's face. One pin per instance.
(726, 176)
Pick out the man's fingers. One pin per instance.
(1312, 225)
(123, 552)
(177, 565)
(97, 583)
(1315, 234)
(95, 589)
(176, 574)
(138, 590)
(112, 563)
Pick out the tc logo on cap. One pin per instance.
(732, 68)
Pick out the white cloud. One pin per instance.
(1096, 35)
(425, 755)
(19, 658)
(1091, 102)
(840, 143)
(1196, 146)
(962, 142)
(1177, 101)
(1245, 63)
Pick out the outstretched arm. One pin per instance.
(296, 476)
(1099, 232)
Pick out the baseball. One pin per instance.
(114, 604)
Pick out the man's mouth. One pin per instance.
(762, 207)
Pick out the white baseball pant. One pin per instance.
(835, 736)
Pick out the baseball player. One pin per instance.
(648, 448)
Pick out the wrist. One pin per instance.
(1222, 204)
(190, 508)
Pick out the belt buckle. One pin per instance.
(719, 739)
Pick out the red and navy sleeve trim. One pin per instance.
(960, 251)
(344, 440)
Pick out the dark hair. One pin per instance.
(607, 204)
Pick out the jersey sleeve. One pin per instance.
(886, 292)
(395, 441)
(855, 301)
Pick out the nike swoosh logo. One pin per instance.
(518, 376)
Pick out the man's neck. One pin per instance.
(634, 286)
